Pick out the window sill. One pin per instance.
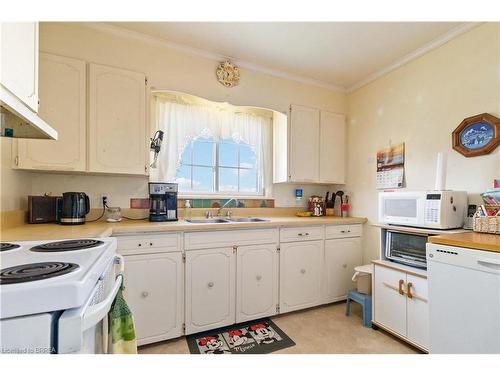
(220, 196)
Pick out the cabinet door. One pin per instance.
(390, 305)
(117, 121)
(417, 309)
(154, 291)
(62, 105)
(19, 60)
(304, 144)
(300, 275)
(256, 282)
(210, 289)
(341, 256)
(332, 148)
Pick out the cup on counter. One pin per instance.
(114, 214)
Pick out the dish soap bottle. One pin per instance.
(187, 210)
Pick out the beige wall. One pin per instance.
(420, 104)
(165, 69)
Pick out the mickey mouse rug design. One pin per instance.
(257, 337)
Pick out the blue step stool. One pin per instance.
(366, 303)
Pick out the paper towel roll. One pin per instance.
(440, 172)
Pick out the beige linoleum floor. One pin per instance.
(319, 330)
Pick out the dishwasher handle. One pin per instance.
(490, 263)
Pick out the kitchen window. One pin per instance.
(213, 148)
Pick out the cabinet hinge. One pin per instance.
(146, 81)
(183, 328)
(184, 258)
(278, 249)
(290, 109)
(278, 309)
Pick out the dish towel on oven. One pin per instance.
(122, 339)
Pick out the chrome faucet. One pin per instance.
(229, 213)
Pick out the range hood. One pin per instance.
(19, 121)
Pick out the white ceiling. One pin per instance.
(335, 54)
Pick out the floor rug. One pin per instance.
(260, 336)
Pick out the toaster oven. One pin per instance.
(406, 248)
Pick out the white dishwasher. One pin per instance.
(464, 300)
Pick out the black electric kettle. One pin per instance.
(75, 206)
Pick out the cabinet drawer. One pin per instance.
(149, 243)
(301, 234)
(342, 231)
(206, 240)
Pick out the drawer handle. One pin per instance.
(345, 231)
(259, 277)
(150, 244)
(303, 234)
(139, 245)
(303, 271)
(145, 294)
(400, 288)
(408, 290)
(210, 284)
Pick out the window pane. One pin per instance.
(203, 153)
(247, 157)
(203, 179)
(183, 177)
(228, 179)
(248, 180)
(186, 154)
(228, 154)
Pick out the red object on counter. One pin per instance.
(344, 208)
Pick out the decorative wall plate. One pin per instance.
(477, 135)
(228, 74)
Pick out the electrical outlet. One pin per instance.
(104, 200)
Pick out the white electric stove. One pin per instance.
(55, 295)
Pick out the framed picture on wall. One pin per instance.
(477, 135)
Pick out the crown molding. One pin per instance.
(436, 43)
(159, 42)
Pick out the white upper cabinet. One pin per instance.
(117, 121)
(19, 60)
(63, 105)
(310, 147)
(256, 282)
(304, 144)
(332, 150)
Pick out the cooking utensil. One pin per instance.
(340, 193)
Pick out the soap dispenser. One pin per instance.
(187, 210)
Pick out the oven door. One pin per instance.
(406, 248)
(402, 208)
(85, 329)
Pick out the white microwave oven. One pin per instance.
(438, 209)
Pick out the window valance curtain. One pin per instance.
(183, 123)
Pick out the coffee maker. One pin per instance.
(162, 201)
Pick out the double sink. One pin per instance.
(218, 220)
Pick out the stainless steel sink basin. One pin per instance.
(247, 220)
(207, 221)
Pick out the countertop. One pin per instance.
(33, 232)
(471, 240)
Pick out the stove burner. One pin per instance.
(69, 245)
(35, 271)
(8, 246)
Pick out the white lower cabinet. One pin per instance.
(210, 289)
(341, 256)
(154, 290)
(401, 304)
(300, 275)
(256, 282)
